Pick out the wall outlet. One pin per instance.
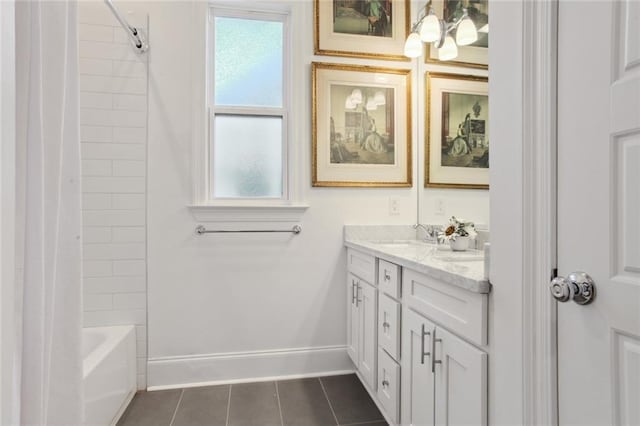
(394, 206)
(439, 207)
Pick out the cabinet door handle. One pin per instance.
(353, 291)
(387, 277)
(385, 383)
(434, 340)
(385, 325)
(422, 352)
(358, 300)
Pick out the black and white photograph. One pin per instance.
(457, 131)
(374, 29)
(465, 131)
(361, 126)
(364, 17)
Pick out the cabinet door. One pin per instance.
(461, 381)
(417, 378)
(353, 319)
(368, 306)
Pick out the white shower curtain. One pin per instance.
(50, 374)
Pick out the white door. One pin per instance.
(417, 382)
(368, 305)
(599, 210)
(461, 381)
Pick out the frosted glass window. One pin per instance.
(248, 62)
(247, 157)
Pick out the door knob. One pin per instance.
(578, 286)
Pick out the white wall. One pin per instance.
(221, 306)
(113, 118)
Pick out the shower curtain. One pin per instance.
(49, 375)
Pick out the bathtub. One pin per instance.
(109, 367)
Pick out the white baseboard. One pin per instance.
(214, 369)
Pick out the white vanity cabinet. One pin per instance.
(362, 315)
(419, 342)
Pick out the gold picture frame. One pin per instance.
(457, 132)
(362, 29)
(361, 126)
(472, 56)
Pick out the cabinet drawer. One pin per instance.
(461, 311)
(362, 265)
(389, 325)
(389, 278)
(389, 385)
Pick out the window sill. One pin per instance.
(254, 213)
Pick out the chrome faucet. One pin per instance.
(430, 231)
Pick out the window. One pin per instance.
(247, 153)
(248, 105)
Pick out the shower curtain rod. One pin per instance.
(136, 37)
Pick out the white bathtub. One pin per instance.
(109, 366)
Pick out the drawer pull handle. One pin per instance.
(422, 352)
(433, 350)
(385, 383)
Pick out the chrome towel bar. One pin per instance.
(202, 230)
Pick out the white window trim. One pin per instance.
(291, 207)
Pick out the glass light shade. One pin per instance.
(430, 29)
(466, 32)
(349, 104)
(413, 46)
(449, 50)
(379, 98)
(356, 96)
(371, 105)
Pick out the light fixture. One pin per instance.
(379, 98)
(356, 96)
(432, 29)
(371, 105)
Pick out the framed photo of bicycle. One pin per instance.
(457, 132)
(375, 29)
(361, 126)
(475, 55)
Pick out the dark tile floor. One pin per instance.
(334, 400)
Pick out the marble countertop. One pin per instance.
(462, 269)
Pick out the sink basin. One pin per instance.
(461, 257)
(398, 243)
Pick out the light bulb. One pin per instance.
(413, 46)
(356, 96)
(371, 105)
(466, 32)
(379, 98)
(349, 104)
(449, 50)
(430, 30)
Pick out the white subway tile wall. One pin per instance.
(113, 119)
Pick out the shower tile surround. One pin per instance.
(113, 134)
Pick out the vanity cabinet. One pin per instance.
(444, 379)
(419, 343)
(362, 315)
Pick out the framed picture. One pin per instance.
(375, 29)
(475, 55)
(361, 126)
(457, 145)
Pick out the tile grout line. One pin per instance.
(228, 405)
(324, 391)
(177, 406)
(279, 406)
